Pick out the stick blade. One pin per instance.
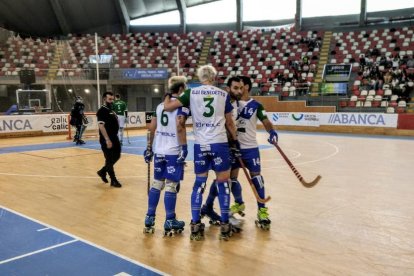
(264, 200)
(311, 184)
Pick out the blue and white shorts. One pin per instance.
(214, 156)
(251, 159)
(166, 167)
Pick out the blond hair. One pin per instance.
(176, 79)
(206, 73)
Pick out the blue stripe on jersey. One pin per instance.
(249, 109)
(229, 106)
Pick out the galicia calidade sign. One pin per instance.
(56, 122)
(359, 119)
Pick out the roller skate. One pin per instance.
(209, 212)
(238, 208)
(263, 220)
(236, 224)
(149, 225)
(173, 226)
(197, 231)
(225, 231)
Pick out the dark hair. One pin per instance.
(117, 96)
(106, 94)
(230, 80)
(175, 88)
(246, 81)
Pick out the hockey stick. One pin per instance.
(149, 163)
(295, 171)
(247, 174)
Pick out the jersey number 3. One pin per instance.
(208, 101)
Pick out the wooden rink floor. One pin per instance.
(358, 220)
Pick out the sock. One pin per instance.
(169, 201)
(224, 200)
(212, 195)
(153, 198)
(121, 134)
(236, 190)
(259, 185)
(197, 197)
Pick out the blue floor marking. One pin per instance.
(21, 252)
(137, 146)
(29, 239)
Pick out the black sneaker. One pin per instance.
(102, 175)
(80, 142)
(115, 183)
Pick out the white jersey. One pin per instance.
(208, 106)
(249, 111)
(166, 138)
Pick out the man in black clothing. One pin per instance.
(78, 120)
(108, 138)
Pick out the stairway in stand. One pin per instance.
(323, 59)
(54, 66)
(205, 53)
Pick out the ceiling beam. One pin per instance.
(123, 15)
(182, 9)
(60, 15)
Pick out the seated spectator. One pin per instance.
(375, 52)
(383, 60)
(410, 62)
(388, 78)
(362, 61)
(396, 62)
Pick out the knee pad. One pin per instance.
(259, 180)
(171, 186)
(158, 184)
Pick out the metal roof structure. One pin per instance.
(60, 17)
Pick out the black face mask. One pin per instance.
(109, 105)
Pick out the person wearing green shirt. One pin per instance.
(120, 108)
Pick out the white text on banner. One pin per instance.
(294, 119)
(359, 119)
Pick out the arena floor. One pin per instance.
(357, 221)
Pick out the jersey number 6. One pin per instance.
(164, 118)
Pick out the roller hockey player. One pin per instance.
(211, 113)
(78, 120)
(249, 112)
(120, 108)
(168, 137)
(234, 87)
